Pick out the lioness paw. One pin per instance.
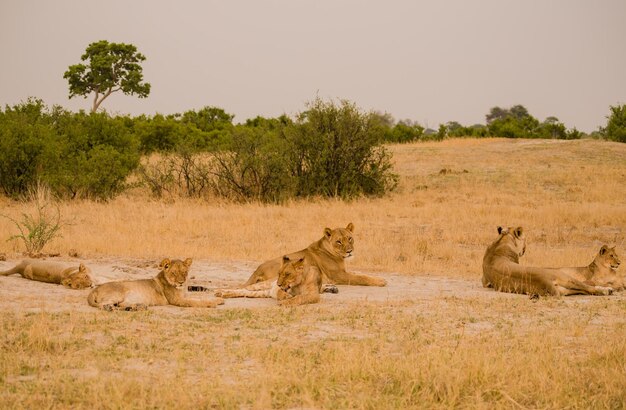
(224, 293)
(136, 308)
(330, 289)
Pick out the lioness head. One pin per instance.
(78, 280)
(291, 273)
(608, 257)
(340, 240)
(175, 271)
(516, 238)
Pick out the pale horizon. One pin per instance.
(429, 61)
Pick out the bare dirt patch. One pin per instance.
(19, 294)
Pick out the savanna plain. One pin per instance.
(432, 338)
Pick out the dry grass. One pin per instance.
(459, 353)
(466, 352)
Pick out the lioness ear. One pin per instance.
(285, 259)
(187, 262)
(165, 263)
(350, 227)
(603, 249)
(299, 263)
(328, 233)
(499, 230)
(519, 231)
(82, 268)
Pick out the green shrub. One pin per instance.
(158, 134)
(86, 155)
(404, 131)
(99, 152)
(336, 152)
(257, 167)
(615, 129)
(28, 146)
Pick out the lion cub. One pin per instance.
(298, 283)
(164, 289)
(73, 277)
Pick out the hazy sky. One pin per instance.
(430, 61)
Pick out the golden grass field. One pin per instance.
(448, 343)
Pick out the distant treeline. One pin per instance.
(329, 150)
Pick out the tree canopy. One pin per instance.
(110, 67)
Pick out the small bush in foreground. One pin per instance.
(38, 229)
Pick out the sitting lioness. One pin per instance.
(502, 271)
(601, 271)
(163, 289)
(328, 255)
(73, 277)
(298, 283)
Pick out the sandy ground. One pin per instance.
(19, 294)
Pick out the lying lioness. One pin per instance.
(601, 271)
(328, 255)
(298, 283)
(164, 289)
(502, 271)
(73, 277)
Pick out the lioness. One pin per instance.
(73, 277)
(163, 289)
(502, 271)
(328, 255)
(601, 271)
(298, 283)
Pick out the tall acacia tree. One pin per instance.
(110, 67)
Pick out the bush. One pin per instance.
(513, 127)
(158, 134)
(456, 130)
(37, 230)
(28, 146)
(573, 134)
(209, 129)
(257, 167)
(404, 131)
(214, 125)
(514, 122)
(182, 173)
(98, 154)
(336, 152)
(615, 129)
(88, 155)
